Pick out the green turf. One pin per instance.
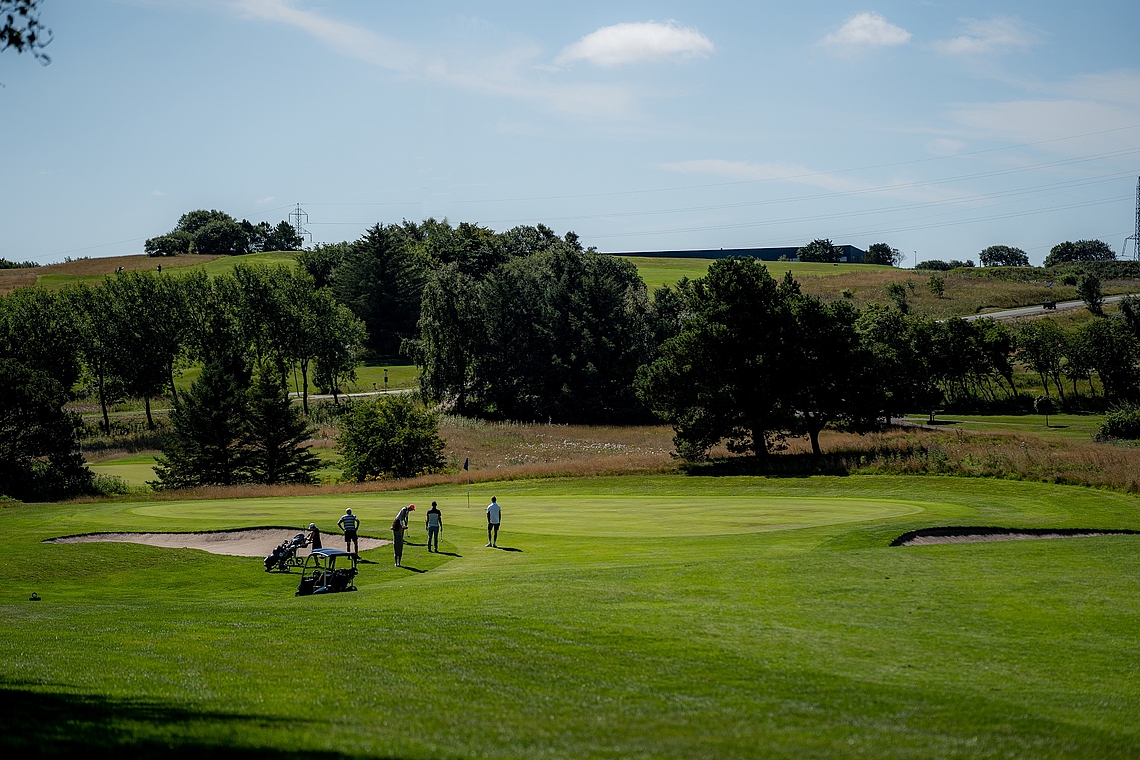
(663, 616)
(1071, 427)
(212, 268)
(666, 271)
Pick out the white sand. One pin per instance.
(255, 542)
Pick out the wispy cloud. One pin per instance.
(990, 36)
(862, 31)
(1079, 106)
(514, 73)
(645, 42)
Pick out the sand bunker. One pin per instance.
(250, 542)
(928, 536)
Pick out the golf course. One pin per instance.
(625, 616)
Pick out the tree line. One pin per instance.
(216, 233)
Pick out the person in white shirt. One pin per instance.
(494, 516)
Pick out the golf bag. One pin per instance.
(285, 551)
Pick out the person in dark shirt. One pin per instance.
(434, 526)
(399, 526)
(314, 538)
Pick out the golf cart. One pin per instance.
(320, 574)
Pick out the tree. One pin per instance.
(937, 285)
(1082, 250)
(450, 328)
(22, 30)
(389, 436)
(93, 314)
(192, 222)
(820, 251)
(175, 243)
(881, 253)
(38, 329)
(896, 291)
(1044, 405)
(322, 261)
(1003, 256)
(1088, 290)
(1113, 352)
(1041, 346)
(39, 457)
(221, 237)
(274, 436)
(283, 237)
(721, 377)
(338, 341)
(206, 445)
(381, 279)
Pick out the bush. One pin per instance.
(934, 265)
(881, 253)
(823, 251)
(1121, 422)
(1082, 250)
(390, 436)
(221, 238)
(1003, 256)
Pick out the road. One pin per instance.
(1032, 311)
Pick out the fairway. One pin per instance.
(667, 271)
(632, 616)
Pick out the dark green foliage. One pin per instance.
(937, 265)
(451, 330)
(322, 260)
(1041, 346)
(38, 329)
(1122, 421)
(174, 243)
(222, 237)
(39, 457)
(1112, 353)
(93, 316)
(820, 251)
(937, 285)
(22, 30)
(192, 222)
(5, 264)
(1003, 256)
(1082, 250)
(206, 445)
(881, 253)
(381, 279)
(721, 376)
(896, 291)
(275, 434)
(1089, 291)
(389, 436)
(264, 237)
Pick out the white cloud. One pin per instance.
(991, 36)
(646, 42)
(745, 170)
(865, 30)
(513, 73)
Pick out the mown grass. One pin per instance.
(664, 616)
(666, 271)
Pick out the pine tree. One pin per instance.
(207, 442)
(274, 435)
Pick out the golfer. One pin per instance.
(399, 525)
(314, 538)
(349, 523)
(434, 526)
(494, 515)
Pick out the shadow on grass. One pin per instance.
(448, 554)
(412, 569)
(774, 465)
(507, 549)
(38, 723)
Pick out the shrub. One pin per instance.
(176, 243)
(881, 253)
(1121, 422)
(1003, 256)
(390, 436)
(823, 251)
(1082, 250)
(1089, 291)
(934, 265)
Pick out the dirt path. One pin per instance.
(253, 542)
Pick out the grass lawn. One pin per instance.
(1070, 427)
(399, 376)
(666, 271)
(628, 616)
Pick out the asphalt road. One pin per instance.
(1031, 311)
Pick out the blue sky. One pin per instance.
(939, 128)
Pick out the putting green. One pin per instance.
(584, 515)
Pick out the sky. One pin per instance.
(939, 128)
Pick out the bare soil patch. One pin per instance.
(963, 535)
(248, 542)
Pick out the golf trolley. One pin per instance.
(320, 575)
(285, 556)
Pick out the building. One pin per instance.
(851, 254)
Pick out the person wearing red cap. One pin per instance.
(399, 525)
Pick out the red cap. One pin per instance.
(411, 507)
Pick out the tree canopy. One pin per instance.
(1082, 250)
(1003, 256)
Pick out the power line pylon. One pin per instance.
(1135, 237)
(300, 219)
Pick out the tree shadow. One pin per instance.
(35, 722)
(803, 465)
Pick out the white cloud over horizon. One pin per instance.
(643, 42)
(865, 30)
(989, 36)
